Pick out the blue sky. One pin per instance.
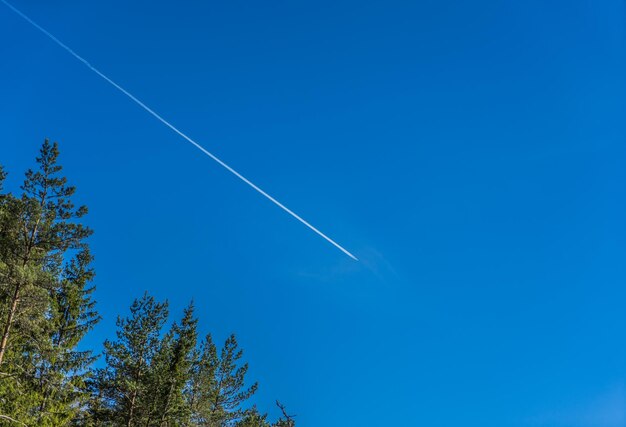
(471, 154)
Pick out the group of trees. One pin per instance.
(149, 376)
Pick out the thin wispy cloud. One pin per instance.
(607, 409)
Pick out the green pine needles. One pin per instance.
(150, 376)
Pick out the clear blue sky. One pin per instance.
(472, 154)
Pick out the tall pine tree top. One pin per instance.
(46, 304)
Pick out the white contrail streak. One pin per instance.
(172, 127)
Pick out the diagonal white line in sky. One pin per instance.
(175, 129)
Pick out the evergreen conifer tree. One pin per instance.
(217, 390)
(253, 419)
(123, 388)
(150, 379)
(46, 306)
(171, 372)
(200, 392)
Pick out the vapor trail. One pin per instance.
(172, 127)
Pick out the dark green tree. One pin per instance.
(171, 372)
(149, 379)
(122, 390)
(253, 418)
(62, 373)
(46, 306)
(217, 392)
(200, 392)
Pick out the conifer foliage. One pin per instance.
(149, 375)
(45, 297)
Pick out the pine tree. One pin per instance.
(171, 372)
(155, 380)
(46, 308)
(122, 389)
(217, 390)
(231, 392)
(201, 389)
(71, 316)
(253, 419)
(45, 297)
